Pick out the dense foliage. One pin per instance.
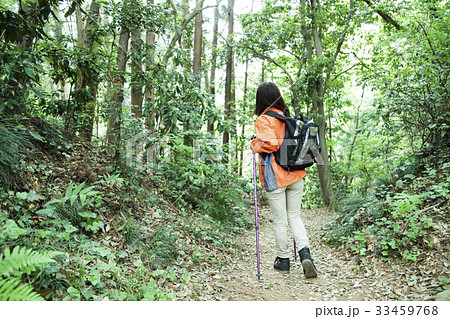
(113, 161)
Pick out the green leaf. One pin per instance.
(32, 196)
(69, 191)
(73, 198)
(53, 201)
(78, 189)
(73, 291)
(30, 72)
(12, 230)
(92, 193)
(11, 289)
(24, 260)
(82, 199)
(22, 195)
(8, 68)
(49, 211)
(87, 189)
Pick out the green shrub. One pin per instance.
(355, 213)
(201, 184)
(77, 206)
(14, 141)
(396, 230)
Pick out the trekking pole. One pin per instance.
(256, 218)
(295, 250)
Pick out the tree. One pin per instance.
(179, 29)
(409, 70)
(150, 38)
(306, 65)
(117, 96)
(229, 83)
(198, 46)
(86, 39)
(317, 97)
(214, 49)
(137, 96)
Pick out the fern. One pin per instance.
(23, 260)
(11, 289)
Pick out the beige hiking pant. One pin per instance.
(285, 206)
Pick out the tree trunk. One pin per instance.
(196, 67)
(86, 38)
(80, 26)
(263, 71)
(214, 60)
(198, 46)
(90, 23)
(229, 82)
(115, 117)
(244, 104)
(352, 145)
(186, 20)
(150, 119)
(26, 9)
(136, 88)
(318, 95)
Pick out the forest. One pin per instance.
(125, 167)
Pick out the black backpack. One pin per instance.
(301, 146)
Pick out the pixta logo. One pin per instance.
(143, 151)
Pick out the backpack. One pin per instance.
(300, 146)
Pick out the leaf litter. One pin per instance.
(341, 276)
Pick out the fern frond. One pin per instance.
(11, 289)
(23, 259)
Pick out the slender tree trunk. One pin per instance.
(243, 143)
(184, 43)
(115, 117)
(91, 22)
(356, 131)
(196, 67)
(244, 104)
(150, 120)
(136, 89)
(263, 71)
(58, 25)
(318, 95)
(26, 9)
(214, 60)
(198, 46)
(229, 81)
(86, 38)
(330, 131)
(80, 26)
(186, 20)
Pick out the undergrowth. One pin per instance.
(404, 217)
(120, 233)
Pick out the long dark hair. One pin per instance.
(267, 95)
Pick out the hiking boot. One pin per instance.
(309, 269)
(282, 265)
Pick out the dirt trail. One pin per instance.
(341, 276)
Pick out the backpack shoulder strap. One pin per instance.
(275, 115)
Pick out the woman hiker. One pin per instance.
(284, 189)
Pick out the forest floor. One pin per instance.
(341, 276)
(225, 268)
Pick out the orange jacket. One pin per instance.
(270, 134)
